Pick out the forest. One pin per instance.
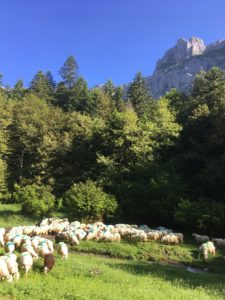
(114, 153)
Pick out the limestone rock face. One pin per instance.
(180, 64)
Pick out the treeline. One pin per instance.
(118, 150)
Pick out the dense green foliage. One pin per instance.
(163, 160)
(87, 202)
(35, 200)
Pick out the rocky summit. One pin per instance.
(180, 64)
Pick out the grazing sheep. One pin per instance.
(153, 236)
(2, 243)
(92, 235)
(200, 238)
(12, 265)
(8, 236)
(2, 231)
(42, 251)
(62, 250)
(207, 248)
(220, 243)
(30, 249)
(49, 262)
(4, 271)
(9, 247)
(170, 239)
(116, 237)
(26, 240)
(62, 236)
(80, 233)
(17, 240)
(72, 239)
(25, 261)
(35, 241)
(180, 237)
(50, 245)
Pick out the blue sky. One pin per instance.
(110, 39)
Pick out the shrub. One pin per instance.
(36, 200)
(87, 201)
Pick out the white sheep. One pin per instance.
(28, 248)
(42, 251)
(17, 240)
(4, 271)
(35, 241)
(170, 239)
(12, 265)
(72, 239)
(26, 261)
(153, 235)
(207, 248)
(80, 233)
(9, 236)
(180, 237)
(2, 243)
(2, 231)
(9, 247)
(50, 245)
(62, 250)
(92, 235)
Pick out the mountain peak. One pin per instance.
(178, 67)
(181, 51)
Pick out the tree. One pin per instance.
(116, 95)
(62, 96)
(79, 96)
(138, 94)
(1, 80)
(208, 87)
(28, 133)
(6, 107)
(41, 86)
(69, 71)
(88, 202)
(200, 155)
(37, 201)
(18, 91)
(99, 104)
(51, 80)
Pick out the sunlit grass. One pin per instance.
(128, 271)
(90, 277)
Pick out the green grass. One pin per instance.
(127, 273)
(90, 277)
(186, 254)
(10, 215)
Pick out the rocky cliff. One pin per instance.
(180, 64)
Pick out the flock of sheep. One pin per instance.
(206, 246)
(34, 242)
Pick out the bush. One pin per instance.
(36, 200)
(88, 202)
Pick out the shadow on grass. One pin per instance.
(7, 213)
(9, 218)
(175, 274)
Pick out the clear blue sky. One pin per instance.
(111, 39)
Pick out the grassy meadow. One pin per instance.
(118, 271)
